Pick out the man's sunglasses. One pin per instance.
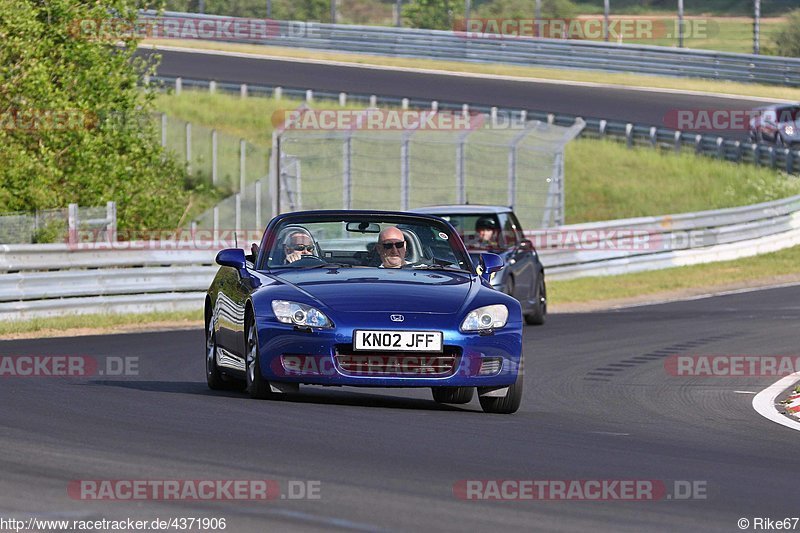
(388, 245)
(301, 247)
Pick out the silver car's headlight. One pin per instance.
(483, 318)
(789, 129)
(299, 314)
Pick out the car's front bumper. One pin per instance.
(325, 357)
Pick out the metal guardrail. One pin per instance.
(47, 280)
(760, 154)
(481, 48)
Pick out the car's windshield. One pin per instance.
(788, 114)
(481, 231)
(364, 241)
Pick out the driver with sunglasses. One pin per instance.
(297, 245)
(392, 248)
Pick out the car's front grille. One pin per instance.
(417, 364)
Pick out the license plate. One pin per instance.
(398, 341)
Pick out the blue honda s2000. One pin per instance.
(365, 299)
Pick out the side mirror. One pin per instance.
(526, 244)
(231, 257)
(490, 265)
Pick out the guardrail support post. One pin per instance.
(629, 134)
(277, 94)
(373, 101)
(738, 145)
(243, 90)
(404, 103)
(550, 119)
(72, 223)
(523, 117)
(212, 87)
(214, 157)
(178, 85)
(698, 143)
(677, 140)
(602, 127)
(309, 96)
(654, 136)
(111, 216)
(342, 99)
(465, 110)
(720, 148)
(434, 106)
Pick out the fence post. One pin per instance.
(258, 205)
(188, 130)
(163, 130)
(274, 173)
(72, 223)
(347, 154)
(242, 173)
(111, 216)
(238, 219)
(214, 157)
(404, 171)
(215, 237)
(461, 170)
(512, 167)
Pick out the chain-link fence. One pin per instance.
(59, 225)
(519, 165)
(212, 157)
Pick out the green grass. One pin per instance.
(605, 180)
(107, 321)
(661, 282)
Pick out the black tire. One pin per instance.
(257, 386)
(213, 375)
(456, 395)
(507, 404)
(537, 316)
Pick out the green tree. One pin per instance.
(787, 40)
(74, 126)
(430, 14)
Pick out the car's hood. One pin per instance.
(391, 290)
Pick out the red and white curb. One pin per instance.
(764, 402)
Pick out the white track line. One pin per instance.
(764, 401)
(461, 74)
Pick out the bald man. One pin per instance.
(392, 248)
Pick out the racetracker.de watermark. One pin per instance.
(709, 120)
(216, 29)
(385, 120)
(69, 366)
(615, 239)
(579, 489)
(583, 28)
(193, 489)
(731, 365)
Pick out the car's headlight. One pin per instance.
(299, 314)
(484, 318)
(789, 129)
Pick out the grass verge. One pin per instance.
(622, 79)
(100, 323)
(776, 267)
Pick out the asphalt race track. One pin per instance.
(598, 405)
(608, 103)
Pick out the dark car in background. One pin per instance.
(522, 275)
(778, 124)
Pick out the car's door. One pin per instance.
(229, 309)
(520, 259)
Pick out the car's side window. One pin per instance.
(509, 236)
(517, 226)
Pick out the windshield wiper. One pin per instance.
(325, 265)
(450, 268)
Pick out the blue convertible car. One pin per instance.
(366, 299)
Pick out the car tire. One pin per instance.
(213, 375)
(537, 317)
(257, 387)
(455, 395)
(510, 402)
